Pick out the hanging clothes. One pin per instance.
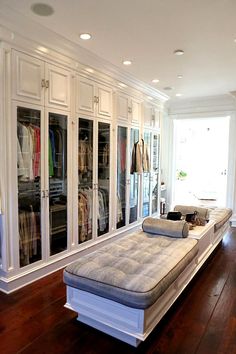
(29, 235)
(25, 152)
(85, 213)
(50, 158)
(85, 159)
(28, 151)
(36, 159)
(59, 153)
(140, 158)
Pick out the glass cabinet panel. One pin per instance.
(146, 176)
(57, 167)
(85, 179)
(103, 178)
(155, 171)
(155, 153)
(154, 193)
(121, 176)
(134, 178)
(29, 184)
(0, 239)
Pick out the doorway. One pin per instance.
(201, 161)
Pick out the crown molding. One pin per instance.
(17, 29)
(200, 106)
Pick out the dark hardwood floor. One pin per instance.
(202, 321)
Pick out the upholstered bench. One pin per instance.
(134, 271)
(126, 287)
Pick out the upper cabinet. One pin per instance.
(57, 86)
(128, 108)
(93, 99)
(37, 82)
(151, 116)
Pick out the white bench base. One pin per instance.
(133, 325)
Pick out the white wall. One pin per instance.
(205, 107)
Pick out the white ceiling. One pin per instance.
(147, 32)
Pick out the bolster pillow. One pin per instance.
(189, 209)
(165, 227)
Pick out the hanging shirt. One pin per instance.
(26, 146)
(140, 158)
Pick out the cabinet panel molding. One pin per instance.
(104, 101)
(28, 73)
(57, 87)
(123, 108)
(85, 95)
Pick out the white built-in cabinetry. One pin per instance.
(77, 134)
(128, 108)
(92, 98)
(151, 116)
(38, 82)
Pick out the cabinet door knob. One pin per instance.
(47, 84)
(43, 83)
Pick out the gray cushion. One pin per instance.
(189, 209)
(220, 216)
(134, 270)
(164, 227)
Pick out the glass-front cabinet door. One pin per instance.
(134, 176)
(57, 177)
(155, 171)
(146, 174)
(121, 202)
(29, 184)
(85, 180)
(103, 173)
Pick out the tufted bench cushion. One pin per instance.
(186, 209)
(220, 216)
(134, 270)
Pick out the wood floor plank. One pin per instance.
(220, 336)
(202, 321)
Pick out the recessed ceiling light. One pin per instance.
(167, 88)
(127, 62)
(235, 40)
(89, 70)
(41, 9)
(179, 94)
(121, 84)
(180, 76)
(85, 36)
(178, 52)
(42, 49)
(155, 81)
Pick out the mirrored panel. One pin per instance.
(85, 179)
(134, 177)
(29, 184)
(103, 178)
(57, 166)
(121, 176)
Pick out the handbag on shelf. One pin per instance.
(174, 215)
(191, 217)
